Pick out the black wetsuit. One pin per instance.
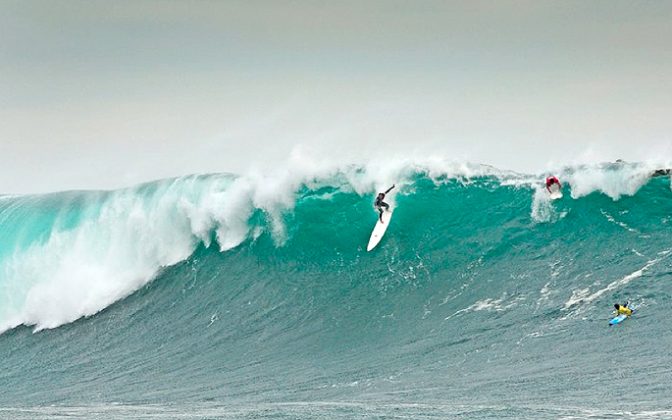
(380, 204)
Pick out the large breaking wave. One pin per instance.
(68, 255)
(480, 282)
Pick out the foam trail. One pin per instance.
(542, 207)
(584, 295)
(498, 305)
(613, 220)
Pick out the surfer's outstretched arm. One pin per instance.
(389, 189)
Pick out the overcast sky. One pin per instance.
(101, 94)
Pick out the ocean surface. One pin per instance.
(253, 296)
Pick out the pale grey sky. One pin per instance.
(101, 94)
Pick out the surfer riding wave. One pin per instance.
(381, 205)
(550, 181)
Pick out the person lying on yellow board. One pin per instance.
(622, 309)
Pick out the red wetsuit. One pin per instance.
(552, 180)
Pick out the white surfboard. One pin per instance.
(555, 192)
(379, 230)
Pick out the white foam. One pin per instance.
(497, 305)
(582, 296)
(613, 220)
(542, 207)
(79, 272)
(613, 179)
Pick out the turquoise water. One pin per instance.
(233, 297)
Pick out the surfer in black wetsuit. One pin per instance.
(380, 203)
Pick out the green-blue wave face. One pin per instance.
(482, 294)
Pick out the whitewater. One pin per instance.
(253, 296)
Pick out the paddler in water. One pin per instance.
(550, 181)
(622, 309)
(380, 203)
